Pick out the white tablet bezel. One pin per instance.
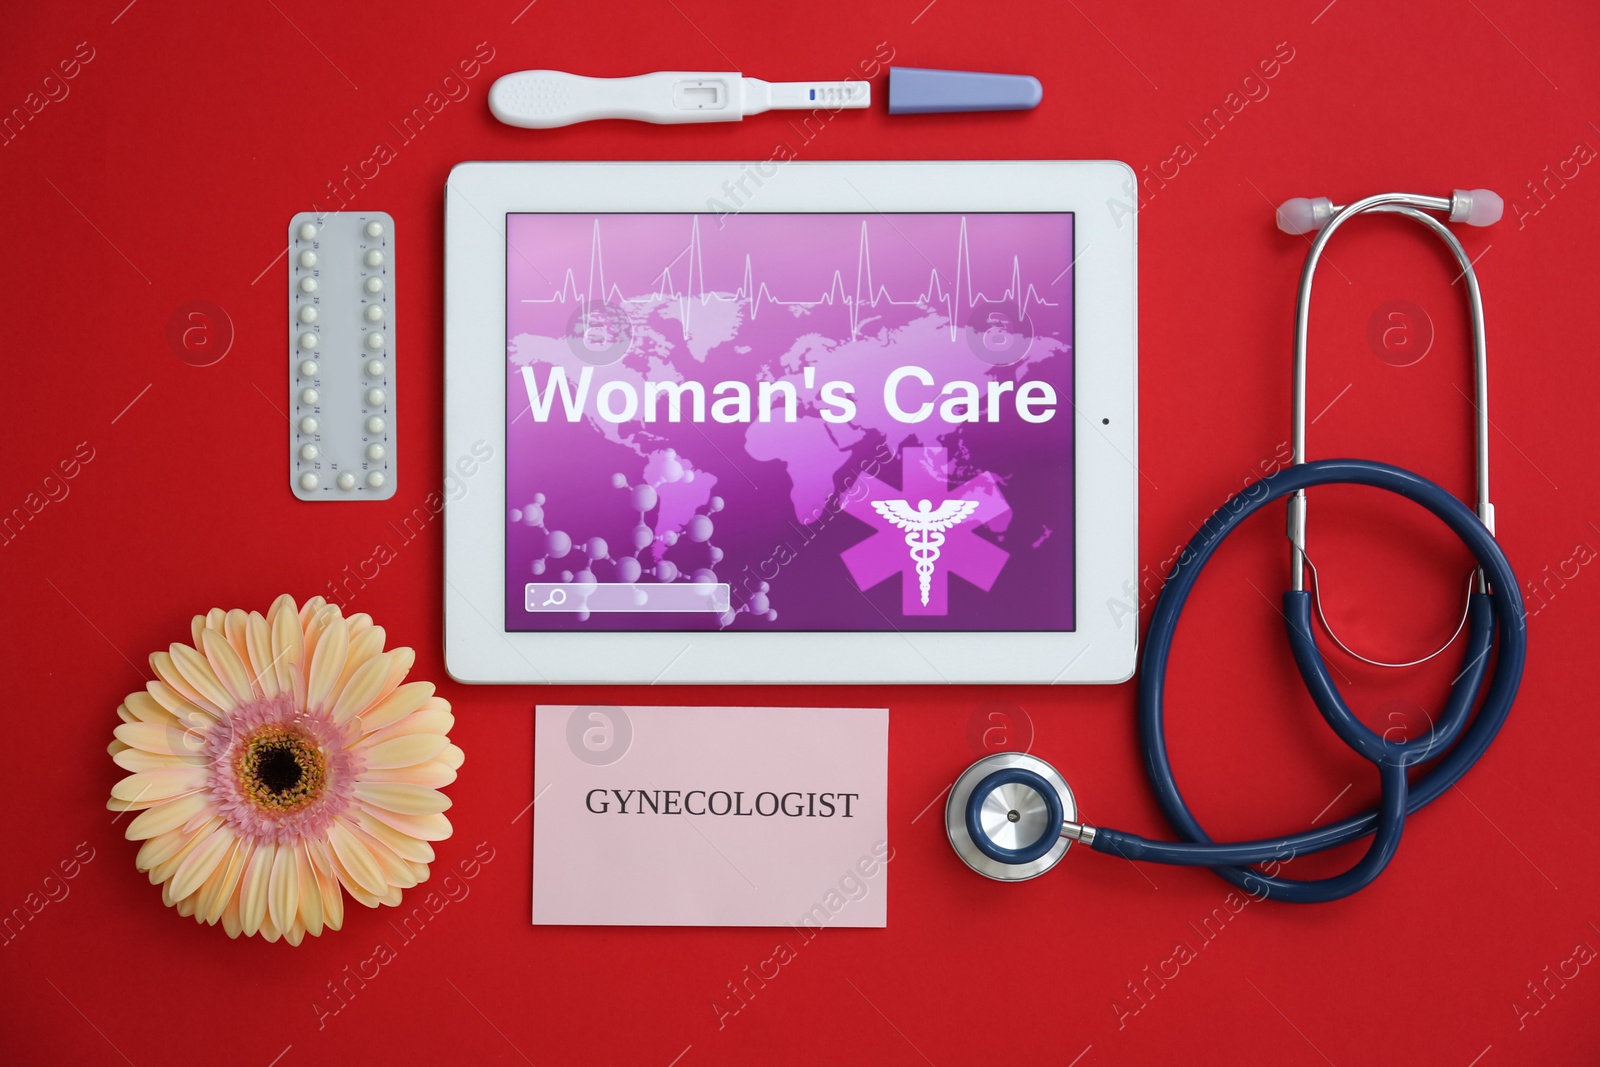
(478, 648)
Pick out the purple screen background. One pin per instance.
(783, 512)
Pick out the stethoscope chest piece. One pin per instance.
(1005, 814)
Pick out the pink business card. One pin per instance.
(710, 816)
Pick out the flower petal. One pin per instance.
(258, 643)
(253, 888)
(167, 816)
(310, 893)
(159, 785)
(430, 720)
(235, 627)
(421, 827)
(158, 738)
(328, 884)
(283, 888)
(283, 605)
(199, 864)
(365, 643)
(288, 649)
(230, 914)
(218, 891)
(403, 845)
(396, 706)
(433, 774)
(396, 872)
(352, 887)
(315, 623)
(137, 760)
(362, 689)
(228, 667)
(185, 905)
(172, 678)
(145, 708)
(327, 663)
(185, 711)
(201, 678)
(400, 661)
(404, 751)
(397, 796)
(161, 874)
(211, 620)
(452, 757)
(310, 608)
(355, 859)
(162, 847)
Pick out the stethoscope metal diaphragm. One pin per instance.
(1022, 805)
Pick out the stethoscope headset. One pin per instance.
(1011, 816)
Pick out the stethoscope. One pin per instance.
(1011, 816)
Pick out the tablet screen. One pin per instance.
(789, 422)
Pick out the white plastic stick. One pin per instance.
(543, 99)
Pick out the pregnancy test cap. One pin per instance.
(920, 91)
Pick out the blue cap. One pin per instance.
(920, 91)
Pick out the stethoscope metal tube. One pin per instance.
(1001, 817)
(1414, 207)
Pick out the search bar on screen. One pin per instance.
(663, 597)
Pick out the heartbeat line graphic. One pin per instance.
(861, 295)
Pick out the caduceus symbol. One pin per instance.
(925, 526)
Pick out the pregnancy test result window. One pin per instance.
(789, 422)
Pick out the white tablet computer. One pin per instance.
(790, 422)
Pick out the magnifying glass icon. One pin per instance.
(556, 598)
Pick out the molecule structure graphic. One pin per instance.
(585, 563)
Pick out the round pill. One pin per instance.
(308, 481)
(374, 285)
(376, 397)
(374, 452)
(374, 340)
(308, 259)
(308, 425)
(308, 368)
(308, 340)
(309, 396)
(375, 479)
(308, 314)
(375, 424)
(374, 312)
(375, 368)
(373, 258)
(374, 228)
(308, 285)
(347, 480)
(308, 452)
(307, 231)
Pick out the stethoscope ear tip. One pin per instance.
(1476, 207)
(1304, 214)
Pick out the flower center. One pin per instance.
(281, 773)
(281, 770)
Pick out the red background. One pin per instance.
(168, 174)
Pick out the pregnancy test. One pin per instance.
(544, 99)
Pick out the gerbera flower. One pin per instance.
(279, 759)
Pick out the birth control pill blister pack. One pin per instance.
(341, 356)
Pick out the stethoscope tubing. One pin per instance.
(1497, 624)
